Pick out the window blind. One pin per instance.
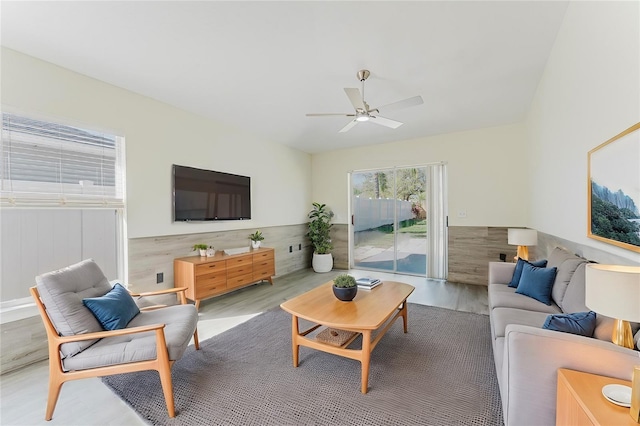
(52, 164)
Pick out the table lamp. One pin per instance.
(614, 291)
(522, 238)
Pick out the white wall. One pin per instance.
(484, 173)
(157, 136)
(590, 92)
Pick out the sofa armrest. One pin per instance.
(501, 272)
(531, 359)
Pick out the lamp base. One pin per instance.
(523, 252)
(621, 335)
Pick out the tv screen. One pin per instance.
(207, 195)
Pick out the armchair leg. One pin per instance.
(167, 389)
(196, 343)
(55, 384)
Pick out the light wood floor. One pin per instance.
(89, 402)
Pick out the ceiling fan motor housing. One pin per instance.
(363, 75)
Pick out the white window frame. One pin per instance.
(46, 196)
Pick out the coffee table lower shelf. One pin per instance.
(363, 355)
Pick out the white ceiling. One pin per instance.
(262, 66)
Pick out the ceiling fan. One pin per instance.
(365, 113)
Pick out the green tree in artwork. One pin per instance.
(611, 222)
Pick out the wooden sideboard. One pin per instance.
(207, 277)
(580, 401)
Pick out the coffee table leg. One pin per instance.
(403, 312)
(294, 339)
(366, 357)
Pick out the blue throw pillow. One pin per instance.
(517, 273)
(537, 282)
(114, 310)
(582, 323)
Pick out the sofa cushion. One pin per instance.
(115, 309)
(566, 271)
(517, 272)
(62, 292)
(557, 256)
(506, 297)
(180, 325)
(581, 323)
(502, 317)
(537, 283)
(574, 296)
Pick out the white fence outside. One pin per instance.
(373, 213)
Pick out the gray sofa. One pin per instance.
(527, 356)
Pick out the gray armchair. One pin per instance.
(79, 347)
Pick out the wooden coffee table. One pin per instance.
(369, 311)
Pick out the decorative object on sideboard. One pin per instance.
(523, 238)
(613, 196)
(256, 238)
(201, 248)
(344, 287)
(319, 235)
(614, 291)
(210, 251)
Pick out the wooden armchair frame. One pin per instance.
(162, 364)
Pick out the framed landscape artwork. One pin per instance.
(614, 190)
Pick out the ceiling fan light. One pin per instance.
(362, 118)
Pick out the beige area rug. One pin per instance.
(440, 373)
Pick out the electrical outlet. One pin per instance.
(290, 249)
(159, 277)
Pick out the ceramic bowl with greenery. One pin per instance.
(344, 287)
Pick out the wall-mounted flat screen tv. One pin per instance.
(207, 195)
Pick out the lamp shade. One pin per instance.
(522, 237)
(613, 291)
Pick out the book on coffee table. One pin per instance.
(368, 283)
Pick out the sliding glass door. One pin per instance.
(398, 220)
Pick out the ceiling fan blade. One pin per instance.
(355, 97)
(385, 122)
(348, 126)
(416, 100)
(330, 114)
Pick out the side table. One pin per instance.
(580, 401)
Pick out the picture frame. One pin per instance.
(613, 190)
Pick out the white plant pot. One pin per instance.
(322, 262)
(203, 252)
(255, 244)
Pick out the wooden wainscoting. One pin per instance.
(471, 248)
(148, 256)
(340, 241)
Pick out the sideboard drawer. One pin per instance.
(263, 255)
(239, 261)
(240, 280)
(214, 278)
(209, 289)
(207, 268)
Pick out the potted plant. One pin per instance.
(202, 248)
(319, 230)
(255, 238)
(344, 287)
